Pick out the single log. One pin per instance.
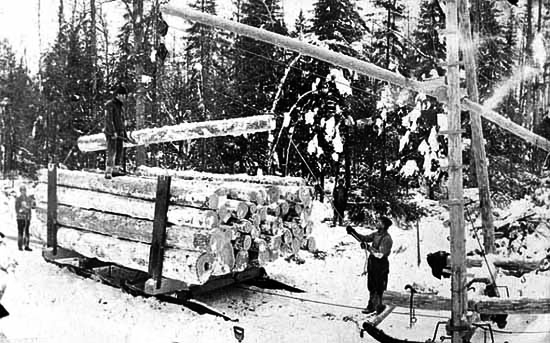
(284, 207)
(216, 177)
(295, 245)
(273, 242)
(287, 236)
(186, 131)
(183, 237)
(506, 263)
(262, 213)
(255, 220)
(295, 211)
(309, 228)
(237, 208)
(136, 208)
(290, 196)
(258, 245)
(191, 267)
(224, 214)
(244, 242)
(297, 230)
(225, 260)
(274, 210)
(241, 261)
(273, 194)
(273, 254)
(219, 239)
(311, 244)
(243, 226)
(484, 305)
(258, 258)
(252, 207)
(182, 192)
(255, 232)
(271, 227)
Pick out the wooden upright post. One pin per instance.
(456, 199)
(51, 240)
(478, 146)
(156, 254)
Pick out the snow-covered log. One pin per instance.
(191, 267)
(136, 208)
(217, 177)
(186, 131)
(140, 230)
(524, 265)
(182, 192)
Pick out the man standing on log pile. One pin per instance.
(378, 265)
(340, 200)
(115, 133)
(23, 205)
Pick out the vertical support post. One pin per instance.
(456, 197)
(52, 208)
(478, 146)
(156, 253)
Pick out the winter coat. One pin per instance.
(340, 195)
(114, 120)
(23, 206)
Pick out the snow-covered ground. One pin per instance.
(50, 304)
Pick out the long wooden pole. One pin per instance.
(459, 302)
(341, 60)
(478, 145)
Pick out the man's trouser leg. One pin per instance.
(110, 156)
(119, 144)
(26, 235)
(20, 232)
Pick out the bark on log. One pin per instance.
(186, 131)
(136, 208)
(185, 193)
(225, 260)
(262, 213)
(183, 237)
(507, 264)
(237, 208)
(484, 305)
(258, 258)
(191, 267)
(273, 194)
(241, 261)
(216, 177)
(258, 245)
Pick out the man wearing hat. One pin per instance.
(378, 266)
(115, 132)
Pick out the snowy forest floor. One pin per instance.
(51, 304)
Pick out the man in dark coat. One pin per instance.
(115, 133)
(378, 266)
(340, 200)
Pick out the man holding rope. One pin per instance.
(378, 266)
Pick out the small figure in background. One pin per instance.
(23, 206)
(340, 200)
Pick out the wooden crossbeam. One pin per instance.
(186, 131)
(344, 61)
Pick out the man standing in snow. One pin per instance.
(115, 133)
(340, 200)
(23, 205)
(378, 266)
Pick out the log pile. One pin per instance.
(217, 224)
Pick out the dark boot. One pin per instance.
(371, 307)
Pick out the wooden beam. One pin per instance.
(478, 142)
(186, 131)
(156, 253)
(523, 265)
(357, 65)
(459, 305)
(52, 207)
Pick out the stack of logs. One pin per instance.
(217, 223)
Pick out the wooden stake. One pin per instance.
(478, 145)
(156, 254)
(52, 207)
(458, 249)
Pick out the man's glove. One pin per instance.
(363, 245)
(350, 230)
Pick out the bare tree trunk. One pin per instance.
(140, 91)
